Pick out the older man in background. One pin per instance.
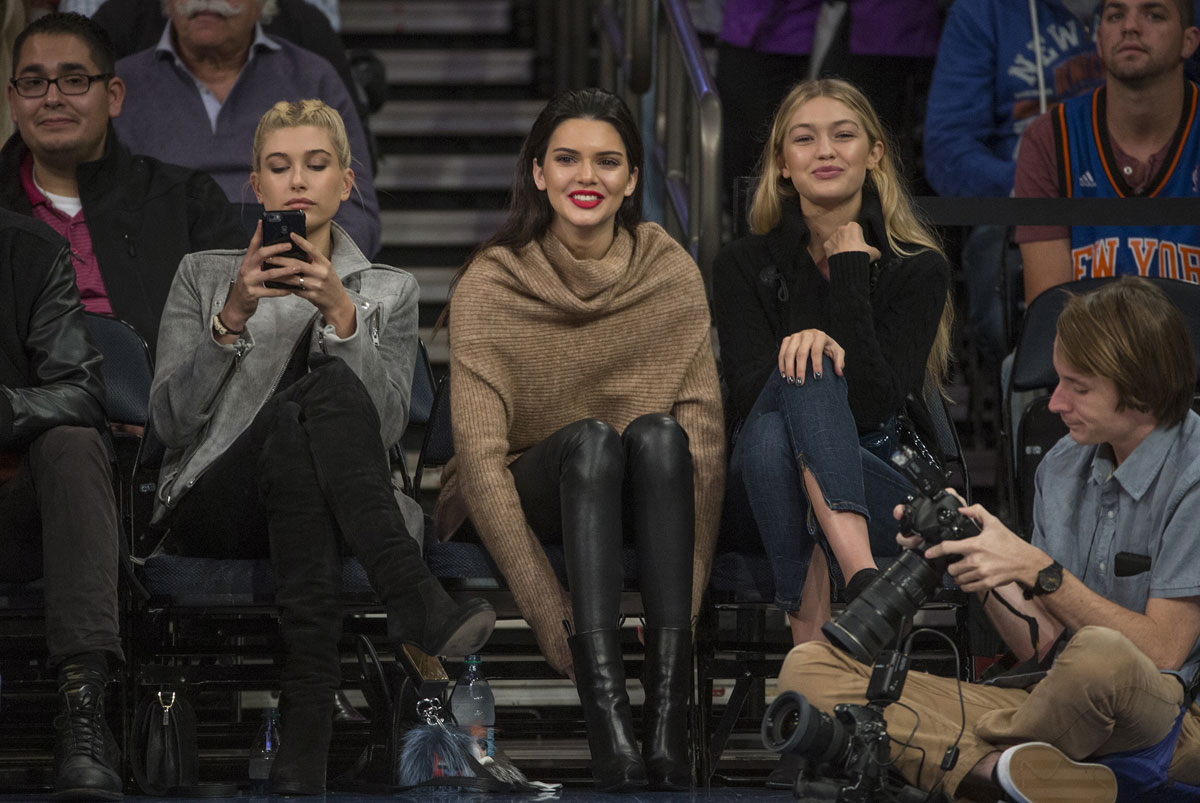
(196, 97)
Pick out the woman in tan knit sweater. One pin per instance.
(587, 412)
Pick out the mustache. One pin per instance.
(224, 8)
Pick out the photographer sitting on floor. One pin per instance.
(1110, 572)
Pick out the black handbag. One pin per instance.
(164, 754)
(163, 750)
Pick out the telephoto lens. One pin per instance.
(873, 619)
(792, 725)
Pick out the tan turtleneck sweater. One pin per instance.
(540, 340)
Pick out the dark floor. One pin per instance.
(573, 795)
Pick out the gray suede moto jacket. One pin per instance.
(206, 393)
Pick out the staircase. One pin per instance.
(462, 93)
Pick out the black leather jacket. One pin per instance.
(49, 369)
(143, 215)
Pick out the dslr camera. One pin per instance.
(874, 618)
(844, 757)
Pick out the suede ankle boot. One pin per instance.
(425, 616)
(600, 678)
(666, 677)
(85, 753)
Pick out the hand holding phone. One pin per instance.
(277, 227)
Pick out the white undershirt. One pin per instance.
(67, 204)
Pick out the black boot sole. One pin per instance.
(84, 793)
(634, 784)
(668, 784)
(475, 622)
(295, 789)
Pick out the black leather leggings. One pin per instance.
(592, 490)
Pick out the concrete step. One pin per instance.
(434, 283)
(441, 227)
(445, 171)
(458, 67)
(425, 118)
(438, 348)
(459, 17)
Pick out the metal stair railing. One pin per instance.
(651, 45)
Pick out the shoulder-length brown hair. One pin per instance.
(1130, 332)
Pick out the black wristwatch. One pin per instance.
(1048, 581)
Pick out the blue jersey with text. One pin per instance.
(1088, 169)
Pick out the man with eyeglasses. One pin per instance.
(129, 219)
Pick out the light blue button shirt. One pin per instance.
(1087, 513)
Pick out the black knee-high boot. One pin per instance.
(600, 678)
(667, 680)
(343, 435)
(307, 563)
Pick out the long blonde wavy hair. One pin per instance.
(906, 233)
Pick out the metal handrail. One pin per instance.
(687, 124)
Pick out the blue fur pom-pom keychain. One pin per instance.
(435, 749)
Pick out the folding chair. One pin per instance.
(1142, 774)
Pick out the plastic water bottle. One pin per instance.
(263, 751)
(474, 706)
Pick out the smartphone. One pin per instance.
(277, 227)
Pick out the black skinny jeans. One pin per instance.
(227, 515)
(592, 490)
(58, 520)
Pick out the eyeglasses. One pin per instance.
(28, 86)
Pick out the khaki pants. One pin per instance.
(1101, 696)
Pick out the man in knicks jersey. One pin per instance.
(1137, 136)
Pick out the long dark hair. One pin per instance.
(529, 210)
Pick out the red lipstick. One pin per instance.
(586, 199)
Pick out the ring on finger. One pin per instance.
(302, 281)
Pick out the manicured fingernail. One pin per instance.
(818, 375)
(791, 380)
(782, 375)
(800, 380)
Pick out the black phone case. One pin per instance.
(277, 228)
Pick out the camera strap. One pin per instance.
(1030, 621)
(1012, 674)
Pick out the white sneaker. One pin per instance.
(1037, 772)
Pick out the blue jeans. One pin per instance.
(810, 425)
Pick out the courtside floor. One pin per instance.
(569, 795)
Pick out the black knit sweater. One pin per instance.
(884, 314)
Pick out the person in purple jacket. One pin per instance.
(765, 47)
